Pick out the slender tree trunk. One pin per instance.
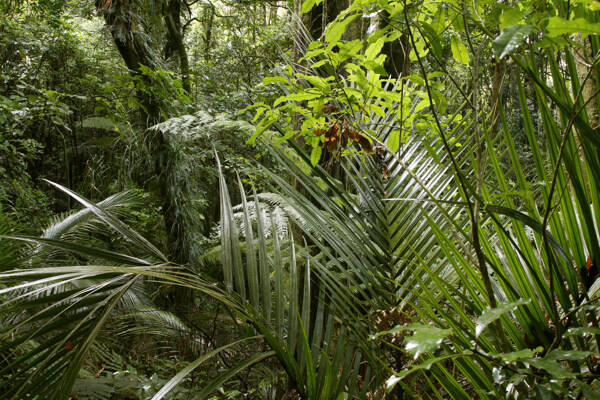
(397, 62)
(210, 20)
(497, 81)
(317, 19)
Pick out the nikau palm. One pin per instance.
(442, 264)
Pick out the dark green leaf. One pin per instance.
(490, 315)
(510, 39)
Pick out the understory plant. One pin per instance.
(421, 255)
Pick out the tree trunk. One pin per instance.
(210, 20)
(171, 10)
(136, 52)
(320, 15)
(397, 62)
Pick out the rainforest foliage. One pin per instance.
(307, 199)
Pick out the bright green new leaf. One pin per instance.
(317, 82)
(350, 49)
(559, 26)
(374, 48)
(319, 63)
(459, 51)
(393, 141)
(376, 66)
(511, 17)
(274, 79)
(422, 105)
(457, 20)
(307, 5)
(313, 53)
(301, 96)
(420, 50)
(315, 155)
(337, 29)
(510, 39)
(490, 315)
(439, 21)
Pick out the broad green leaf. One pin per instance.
(422, 105)
(459, 51)
(392, 331)
(317, 82)
(555, 368)
(490, 315)
(350, 49)
(307, 5)
(592, 330)
(426, 338)
(511, 17)
(300, 96)
(433, 37)
(439, 21)
(274, 79)
(571, 355)
(319, 64)
(510, 39)
(420, 50)
(315, 155)
(393, 141)
(374, 48)
(515, 355)
(457, 20)
(559, 26)
(337, 29)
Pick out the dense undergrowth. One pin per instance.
(406, 208)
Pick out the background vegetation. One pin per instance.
(313, 199)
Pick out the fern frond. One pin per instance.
(276, 212)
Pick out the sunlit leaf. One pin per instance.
(490, 315)
(426, 338)
(510, 39)
(560, 26)
(315, 155)
(459, 51)
(337, 29)
(524, 353)
(307, 5)
(582, 331)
